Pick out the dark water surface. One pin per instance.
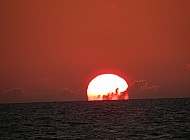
(132, 119)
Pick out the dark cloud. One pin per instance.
(12, 95)
(116, 95)
(51, 95)
(138, 89)
(67, 94)
(141, 89)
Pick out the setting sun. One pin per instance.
(107, 87)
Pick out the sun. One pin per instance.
(107, 87)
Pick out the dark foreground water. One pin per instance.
(132, 119)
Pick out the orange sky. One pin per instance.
(49, 50)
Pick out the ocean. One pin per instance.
(114, 120)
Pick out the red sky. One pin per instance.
(50, 50)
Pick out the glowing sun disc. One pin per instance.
(105, 85)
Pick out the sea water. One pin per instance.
(127, 119)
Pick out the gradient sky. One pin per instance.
(51, 49)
